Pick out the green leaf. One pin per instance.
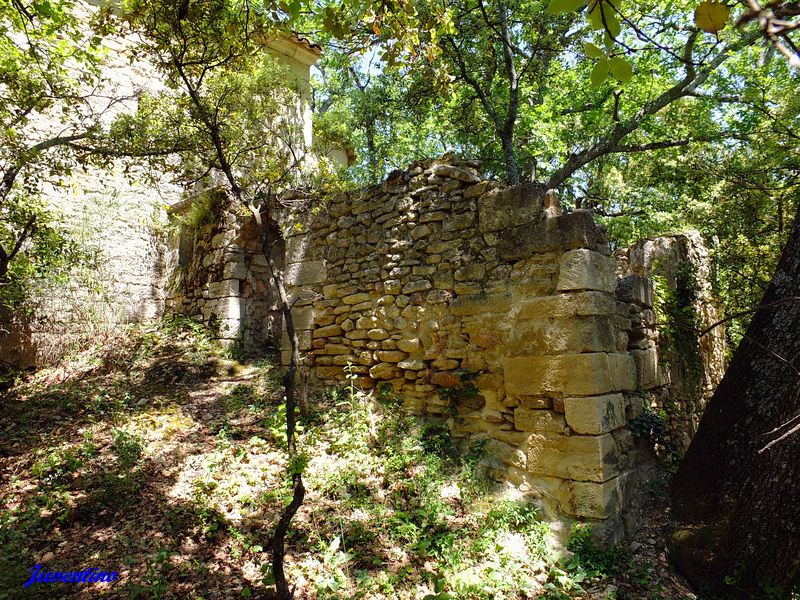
(612, 22)
(595, 17)
(599, 73)
(621, 69)
(246, 593)
(564, 6)
(593, 51)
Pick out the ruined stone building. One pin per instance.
(486, 307)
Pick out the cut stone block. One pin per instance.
(574, 230)
(526, 419)
(567, 305)
(222, 289)
(303, 317)
(623, 372)
(576, 457)
(306, 273)
(511, 207)
(635, 289)
(596, 414)
(588, 374)
(563, 335)
(587, 270)
(596, 500)
(646, 368)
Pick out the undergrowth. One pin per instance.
(161, 458)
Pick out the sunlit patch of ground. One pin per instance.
(160, 458)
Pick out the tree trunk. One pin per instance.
(512, 170)
(741, 471)
(284, 592)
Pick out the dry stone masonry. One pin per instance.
(484, 305)
(221, 276)
(665, 290)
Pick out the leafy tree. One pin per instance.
(228, 114)
(49, 80)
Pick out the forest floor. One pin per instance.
(156, 456)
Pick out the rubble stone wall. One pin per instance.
(482, 305)
(667, 283)
(221, 277)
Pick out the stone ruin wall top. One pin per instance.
(438, 281)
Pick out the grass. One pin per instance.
(160, 458)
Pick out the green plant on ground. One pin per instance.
(128, 447)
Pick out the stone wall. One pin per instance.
(666, 283)
(484, 306)
(118, 212)
(220, 275)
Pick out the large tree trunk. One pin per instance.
(740, 478)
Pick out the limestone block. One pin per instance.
(356, 334)
(459, 222)
(409, 345)
(384, 371)
(623, 372)
(417, 286)
(505, 453)
(455, 173)
(576, 457)
(391, 356)
(303, 317)
(573, 374)
(356, 298)
(445, 364)
(222, 289)
(596, 500)
(304, 340)
(344, 359)
(567, 305)
(413, 364)
(635, 289)
(336, 349)
(481, 303)
(329, 373)
(472, 272)
(586, 270)
(370, 322)
(377, 334)
(565, 232)
(563, 335)
(229, 309)
(501, 209)
(330, 291)
(306, 273)
(329, 331)
(526, 419)
(297, 248)
(234, 270)
(392, 286)
(596, 414)
(646, 368)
